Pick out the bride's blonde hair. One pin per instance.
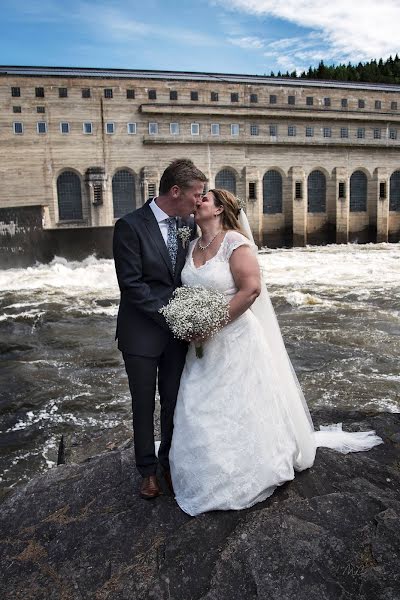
(230, 214)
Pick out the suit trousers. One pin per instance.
(142, 374)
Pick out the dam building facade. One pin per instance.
(315, 161)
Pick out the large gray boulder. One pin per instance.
(80, 531)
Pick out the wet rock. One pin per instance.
(80, 532)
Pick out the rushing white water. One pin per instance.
(338, 307)
(335, 274)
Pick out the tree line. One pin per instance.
(374, 71)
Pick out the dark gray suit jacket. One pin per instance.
(146, 281)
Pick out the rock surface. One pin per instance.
(81, 532)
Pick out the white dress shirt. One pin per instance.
(161, 218)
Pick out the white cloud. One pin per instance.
(249, 42)
(350, 30)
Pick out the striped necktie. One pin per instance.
(172, 241)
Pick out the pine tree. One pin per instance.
(375, 71)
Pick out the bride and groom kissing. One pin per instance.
(234, 423)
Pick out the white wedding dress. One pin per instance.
(238, 432)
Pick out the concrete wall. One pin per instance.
(24, 241)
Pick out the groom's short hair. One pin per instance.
(181, 172)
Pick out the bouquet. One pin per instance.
(195, 312)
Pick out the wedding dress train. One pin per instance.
(241, 424)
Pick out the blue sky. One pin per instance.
(235, 36)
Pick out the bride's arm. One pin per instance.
(246, 274)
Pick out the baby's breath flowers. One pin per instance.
(196, 312)
(184, 234)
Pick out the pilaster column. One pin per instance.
(342, 187)
(253, 198)
(149, 183)
(382, 204)
(299, 203)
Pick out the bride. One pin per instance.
(241, 424)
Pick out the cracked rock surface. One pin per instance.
(80, 531)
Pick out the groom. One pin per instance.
(149, 256)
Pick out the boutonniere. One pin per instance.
(184, 234)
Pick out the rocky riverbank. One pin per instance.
(81, 532)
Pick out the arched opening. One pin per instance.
(226, 180)
(358, 192)
(123, 190)
(272, 192)
(69, 196)
(394, 198)
(316, 192)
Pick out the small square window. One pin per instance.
(63, 92)
(309, 101)
(393, 134)
(15, 92)
(131, 128)
(291, 131)
(195, 129)
(234, 129)
(214, 96)
(360, 133)
(64, 127)
(344, 132)
(40, 109)
(344, 103)
(252, 190)
(298, 190)
(18, 128)
(41, 127)
(152, 94)
(87, 127)
(173, 95)
(39, 92)
(377, 134)
(130, 94)
(86, 93)
(253, 98)
(273, 130)
(234, 97)
(194, 96)
(327, 132)
(17, 109)
(393, 106)
(378, 104)
(361, 103)
(214, 128)
(108, 93)
(110, 128)
(153, 128)
(291, 100)
(272, 99)
(254, 129)
(309, 131)
(342, 189)
(174, 128)
(327, 101)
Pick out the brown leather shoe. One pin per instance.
(149, 487)
(168, 480)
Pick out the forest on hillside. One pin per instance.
(374, 71)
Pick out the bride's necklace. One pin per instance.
(209, 243)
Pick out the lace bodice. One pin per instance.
(215, 273)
